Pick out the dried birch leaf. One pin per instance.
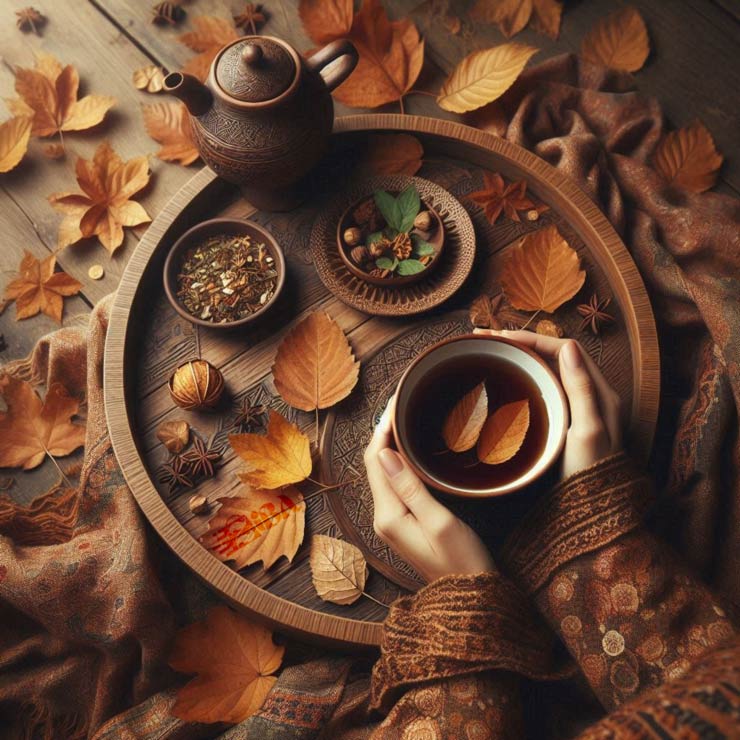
(338, 569)
(105, 206)
(393, 154)
(619, 41)
(314, 367)
(260, 525)
(14, 136)
(234, 659)
(39, 288)
(149, 78)
(326, 20)
(174, 435)
(30, 428)
(168, 124)
(276, 459)
(688, 158)
(483, 76)
(542, 272)
(484, 312)
(210, 34)
(503, 433)
(463, 424)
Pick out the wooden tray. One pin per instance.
(147, 340)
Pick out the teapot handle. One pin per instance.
(341, 51)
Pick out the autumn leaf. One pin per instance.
(174, 435)
(338, 569)
(105, 206)
(168, 124)
(276, 459)
(511, 16)
(483, 76)
(149, 78)
(542, 272)
(619, 41)
(464, 422)
(50, 92)
(31, 428)
(14, 136)
(688, 158)
(314, 367)
(546, 16)
(234, 660)
(209, 36)
(497, 197)
(326, 20)
(260, 525)
(484, 312)
(39, 288)
(392, 154)
(503, 433)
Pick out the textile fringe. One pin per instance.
(40, 724)
(49, 520)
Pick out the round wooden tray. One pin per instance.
(147, 340)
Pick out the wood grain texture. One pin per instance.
(284, 595)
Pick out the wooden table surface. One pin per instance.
(693, 70)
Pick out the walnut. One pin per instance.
(359, 255)
(401, 246)
(196, 385)
(423, 221)
(352, 236)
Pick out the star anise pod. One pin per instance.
(175, 474)
(594, 313)
(30, 19)
(251, 17)
(401, 246)
(249, 416)
(167, 12)
(497, 197)
(199, 459)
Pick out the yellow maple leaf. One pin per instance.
(14, 135)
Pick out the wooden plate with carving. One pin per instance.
(147, 340)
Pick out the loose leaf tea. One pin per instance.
(226, 278)
(338, 569)
(503, 433)
(619, 41)
(463, 424)
(688, 158)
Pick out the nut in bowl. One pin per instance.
(224, 273)
(391, 238)
(478, 416)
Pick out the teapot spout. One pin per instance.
(196, 96)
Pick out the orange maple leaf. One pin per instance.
(168, 124)
(30, 429)
(105, 206)
(326, 20)
(210, 34)
(497, 197)
(39, 288)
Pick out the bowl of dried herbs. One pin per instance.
(224, 272)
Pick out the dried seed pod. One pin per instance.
(352, 236)
(549, 329)
(174, 435)
(196, 385)
(533, 214)
(198, 504)
(359, 255)
(423, 221)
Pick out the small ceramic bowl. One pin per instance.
(462, 349)
(435, 236)
(200, 233)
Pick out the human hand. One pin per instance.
(421, 530)
(595, 408)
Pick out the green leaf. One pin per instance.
(388, 206)
(422, 248)
(390, 232)
(408, 204)
(410, 267)
(376, 236)
(386, 263)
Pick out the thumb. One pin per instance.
(408, 487)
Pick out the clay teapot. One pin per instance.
(262, 119)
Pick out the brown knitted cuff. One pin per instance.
(460, 625)
(585, 512)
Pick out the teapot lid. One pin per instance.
(256, 69)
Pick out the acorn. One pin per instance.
(423, 221)
(196, 385)
(352, 236)
(359, 255)
(378, 248)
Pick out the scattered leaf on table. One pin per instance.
(259, 525)
(326, 20)
(105, 206)
(464, 422)
(392, 154)
(168, 124)
(210, 34)
(276, 459)
(314, 367)
(484, 312)
(234, 659)
(511, 16)
(338, 569)
(174, 435)
(31, 427)
(542, 272)
(39, 288)
(483, 76)
(497, 197)
(619, 41)
(503, 433)
(688, 158)
(14, 136)
(50, 91)
(149, 78)
(546, 16)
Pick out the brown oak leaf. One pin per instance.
(168, 124)
(234, 660)
(497, 197)
(619, 41)
(503, 433)
(209, 35)
(105, 206)
(31, 428)
(338, 569)
(392, 154)
(39, 288)
(464, 422)
(14, 136)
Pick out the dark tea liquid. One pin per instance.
(436, 394)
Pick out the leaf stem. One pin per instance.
(372, 598)
(422, 92)
(323, 487)
(316, 427)
(56, 464)
(531, 319)
(400, 104)
(353, 584)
